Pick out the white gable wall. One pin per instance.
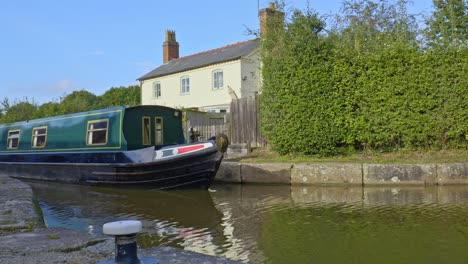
(202, 94)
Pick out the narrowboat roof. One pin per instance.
(104, 110)
(64, 116)
(114, 128)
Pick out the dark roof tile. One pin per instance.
(198, 60)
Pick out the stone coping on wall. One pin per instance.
(334, 173)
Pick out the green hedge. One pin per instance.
(405, 98)
(321, 98)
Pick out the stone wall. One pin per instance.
(333, 173)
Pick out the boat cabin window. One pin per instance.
(159, 140)
(97, 132)
(146, 130)
(39, 136)
(13, 139)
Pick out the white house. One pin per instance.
(209, 80)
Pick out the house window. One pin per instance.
(218, 80)
(13, 139)
(146, 130)
(185, 85)
(39, 135)
(97, 132)
(156, 90)
(159, 140)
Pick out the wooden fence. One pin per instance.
(241, 125)
(206, 124)
(245, 122)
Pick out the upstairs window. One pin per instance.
(39, 136)
(13, 139)
(218, 82)
(159, 140)
(156, 90)
(146, 130)
(97, 132)
(185, 85)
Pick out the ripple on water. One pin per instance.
(279, 224)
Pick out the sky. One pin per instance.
(50, 48)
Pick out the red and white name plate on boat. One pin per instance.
(181, 150)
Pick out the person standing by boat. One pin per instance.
(193, 135)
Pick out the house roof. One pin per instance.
(198, 60)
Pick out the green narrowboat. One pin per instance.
(141, 145)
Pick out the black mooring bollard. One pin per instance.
(125, 242)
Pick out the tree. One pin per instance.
(19, 111)
(50, 109)
(366, 26)
(117, 96)
(448, 25)
(4, 106)
(78, 101)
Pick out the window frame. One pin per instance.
(184, 87)
(156, 90)
(143, 141)
(11, 138)
(99, 129)
(215, 80)
(33, 136)
(156, 130)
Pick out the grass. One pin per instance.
(396, 157)
(53, 237)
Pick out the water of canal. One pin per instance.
(278, 224)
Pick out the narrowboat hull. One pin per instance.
(146, 167)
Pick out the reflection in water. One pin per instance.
(279, 224)
(186, 219)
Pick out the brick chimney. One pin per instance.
(266, 15)
(170, 47)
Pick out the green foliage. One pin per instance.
(448, 25)
(20, 110)
(77, 101)
(296, 90)
(366, 26)
(117, 96)
(364, 85)
(50, 109)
